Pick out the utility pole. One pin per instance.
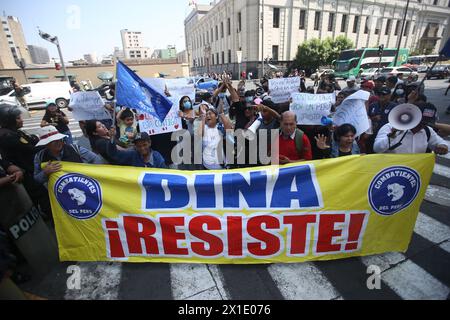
(55, 41)
(401, 34)
(262, 39)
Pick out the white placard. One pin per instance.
(153, 126)
(311, 108)
(353, 111)
(282, 88)
(88, 105)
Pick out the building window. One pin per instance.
(217, 58)
(276, 17)
(212, 59)
(366, 28)
(408, 23)
(397, 28)
(388, 27)
(331, 22)
(229, 26)
(239, 22)
(302, 19)
(212, 35)
(217, 33)
(435, 2)
(221, 30)
(317, 20)
(229, 56)
(344, 23)
(356, 24)
(275, 53)
(223, 57)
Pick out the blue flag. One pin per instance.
(134, 93)
(446, 49)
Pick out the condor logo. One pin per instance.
(79, 196)
(393, 190)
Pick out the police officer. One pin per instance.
(19, 148)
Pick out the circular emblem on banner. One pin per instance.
(393, 190)
(79, 196)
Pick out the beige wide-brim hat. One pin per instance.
(49, 134)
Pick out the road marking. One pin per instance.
(411, 282)
(384, 261)
(441, 170)
(219, 280)
(189, 280)
(99, 281)
(431, 229)
(446, 246)
(439, 195)
(302, 281)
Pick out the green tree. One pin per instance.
(337, 45)
(315, 53)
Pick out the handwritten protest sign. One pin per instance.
(281, 89)
(153, 126)
(311, 108)
(88, 106)
(353, 111)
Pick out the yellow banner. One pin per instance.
(319, 210)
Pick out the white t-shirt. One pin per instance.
(211, 142)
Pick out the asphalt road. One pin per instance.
(423, 272)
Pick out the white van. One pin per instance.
(39, 93)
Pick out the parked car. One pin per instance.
(393, 71)
(317, 75)
(37, 94)
(369, 74)
(422, 68)
(440, 72)
(204, 83)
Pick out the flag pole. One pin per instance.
(115, 103)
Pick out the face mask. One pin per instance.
(187, 105)
(249, 99)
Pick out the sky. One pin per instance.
(93, 26)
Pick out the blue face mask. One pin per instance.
(249, 99)
(187, 105)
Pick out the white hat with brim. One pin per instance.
(49, 134)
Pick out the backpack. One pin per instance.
(299, 141)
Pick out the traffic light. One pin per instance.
(57, 66)
(381, 50)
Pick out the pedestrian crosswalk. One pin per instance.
(33, 124)
(423, 272)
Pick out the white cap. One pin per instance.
(351, 78)
(49, 134)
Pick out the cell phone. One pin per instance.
(258, 101)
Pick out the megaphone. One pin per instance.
(327, 121)
(250, 134)
(405, 117)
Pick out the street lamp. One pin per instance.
(55, 41)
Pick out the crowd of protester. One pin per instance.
(220, 119)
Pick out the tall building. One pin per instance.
(216, 32)
(39, 55)
(91, 58)
(133, 45)
(169, 53)
(13, 45)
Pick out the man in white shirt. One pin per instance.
(421, 139)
